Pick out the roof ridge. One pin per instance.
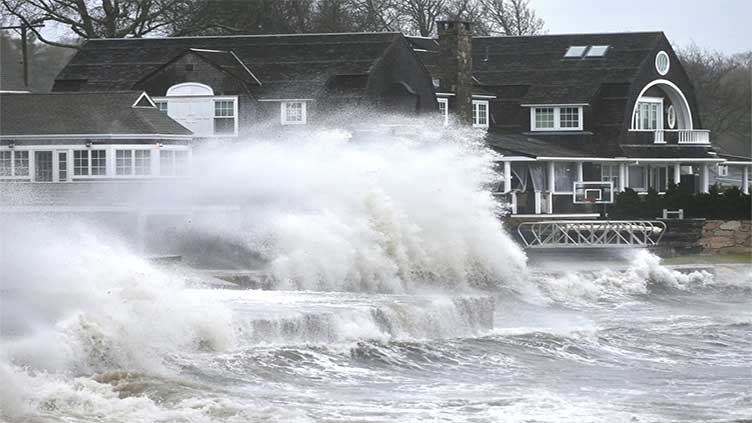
(245, 36)
(570, 34)
(75, 92)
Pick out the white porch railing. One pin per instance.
(694, 136)
(683, 136)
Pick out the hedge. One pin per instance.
(726, 204)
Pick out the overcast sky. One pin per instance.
(724, 25)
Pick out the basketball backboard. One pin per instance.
(593, 192)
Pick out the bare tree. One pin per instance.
(511, 17)
(421, 15)
(98, 18)
(723, 86)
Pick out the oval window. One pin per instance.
(662, 63)
(671, 117)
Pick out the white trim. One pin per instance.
(555, 105)
(446, 94)
(483, 96)
(673, 86)
(285, 99)
(245, 67)
(98, 136)
(445, 102)
(143, 94)
(283, 113)
(477, 114)
(557, 119)
(668, 63)
(738, 163)
(190, 84)
(566, 215)
(671, 116)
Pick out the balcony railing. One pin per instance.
(682, 136)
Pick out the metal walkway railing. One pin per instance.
(591, 233)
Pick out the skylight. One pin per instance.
(575, 51)
(597, 51)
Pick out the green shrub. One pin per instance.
(730, 203)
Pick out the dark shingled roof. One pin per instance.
(276, 60)
(668, 152)
(538, 63)
(82, 113)
(533, 147)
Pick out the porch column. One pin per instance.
(551, 188)
(704, 179)
(622, 176)
(507, 177)
(537, 202)
(514, 203)
(677, 173)
(745, 179)
(580, 177)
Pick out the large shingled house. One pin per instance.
(221, 86)
(614, 107)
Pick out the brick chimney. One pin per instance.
(456, 65)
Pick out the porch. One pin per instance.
(545, 186)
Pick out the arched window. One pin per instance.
(189, 89)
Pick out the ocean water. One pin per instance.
(395, 296)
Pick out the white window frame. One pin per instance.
(637, 122)
(283, 117)
(557, 118)
(671, 117)
(645, 177)
(160, 103)
(29, 165)
(723, 170)
(107, 162)
(613, 175)
(662, 54)
(476, 113)
(234, 101)
(213, 116)
(445, 115)
(173, 151)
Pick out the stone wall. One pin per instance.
(726, 237)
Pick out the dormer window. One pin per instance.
(480, 113)
(556, 118)
(648, 114)
(293, 113)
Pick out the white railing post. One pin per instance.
(745, 179)
(507, 177)
(658, 137)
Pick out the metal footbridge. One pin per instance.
(591, 233)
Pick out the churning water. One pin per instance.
(395, 295)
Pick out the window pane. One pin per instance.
(21, 159)
(166, 158)
(224, 108)
(544, 118)
(81, 162)
(294, 112)
(224, 125)
(597, 51)
(143, 162)
(575, 51)
(98, 162)
(569, 117)
(5, 163)
(565, 174)
(123, 162)
(62, 159)
(181, 163)
(162, 106)
(637, 177)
